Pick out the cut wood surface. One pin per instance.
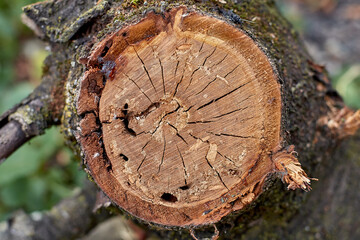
(190, 117)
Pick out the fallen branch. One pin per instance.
(71, 218)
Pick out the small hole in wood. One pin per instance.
(125, 111)
(124, 157)
(106, 48)
(185, 187)
(126, 120)
(104, 51)
(168, 197)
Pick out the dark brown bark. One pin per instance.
(11, 137)
(40, 110)
(313, 116)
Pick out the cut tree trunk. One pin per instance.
(183, 116)
(184, 112)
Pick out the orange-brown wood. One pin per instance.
(183, 129)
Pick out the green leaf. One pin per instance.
(11, 96)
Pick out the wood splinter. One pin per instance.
(179, 114)
(288, 166)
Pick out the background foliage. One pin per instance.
(43, 171)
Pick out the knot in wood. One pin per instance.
(163, 118)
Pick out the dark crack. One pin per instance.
(221, 97)
(139, 88)
(163, 155)
(145, 69)
(183, 163)
(229, 135)
(209, 55)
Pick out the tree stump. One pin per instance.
(181, 119)
(185, 111)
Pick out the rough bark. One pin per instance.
(313, 116)
(40, 110)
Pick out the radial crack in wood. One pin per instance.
(186, 121)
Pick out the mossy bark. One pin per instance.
(306, 96)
